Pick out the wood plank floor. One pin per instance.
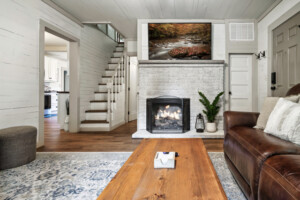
(118, 140)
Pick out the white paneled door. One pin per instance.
(241, 82)
(286, 56)
(133, 88)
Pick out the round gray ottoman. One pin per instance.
(17, 146)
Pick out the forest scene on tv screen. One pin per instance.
(180, 41)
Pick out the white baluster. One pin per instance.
(108, 103)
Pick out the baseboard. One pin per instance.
(117, 125)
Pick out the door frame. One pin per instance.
(129, 81)
(290, 13)
(73, 57)
(253, 80)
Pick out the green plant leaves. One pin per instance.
(212, 109)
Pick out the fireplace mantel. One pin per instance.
(175, 63)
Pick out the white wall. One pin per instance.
(131, 46)
(19, 58)
(95, 51)
(264, 71)
(218, 36)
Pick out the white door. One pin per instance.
(286, 56)
(241, 82)
(133, 73)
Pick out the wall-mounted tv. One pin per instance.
(186, 41)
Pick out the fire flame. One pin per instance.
(167, 114)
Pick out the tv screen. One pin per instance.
(186, 41)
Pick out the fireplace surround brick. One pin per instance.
(181, 79)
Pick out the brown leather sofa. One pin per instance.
(264, 166)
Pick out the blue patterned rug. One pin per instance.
(81, 176)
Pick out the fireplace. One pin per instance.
(168, 115)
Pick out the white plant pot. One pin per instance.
(211, 127)
(66, 125)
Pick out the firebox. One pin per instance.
(168, 115)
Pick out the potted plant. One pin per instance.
(211, 111)
(66, 125)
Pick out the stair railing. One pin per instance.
(114, 86)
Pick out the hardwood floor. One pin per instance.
(57, 140)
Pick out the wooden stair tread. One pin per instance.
(95, 111)
(95, 122)
(106, 84)
(104, 92)
(100, 101)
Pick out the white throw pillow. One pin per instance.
(284, 121)
(268, 107)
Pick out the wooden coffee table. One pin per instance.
(193, 178)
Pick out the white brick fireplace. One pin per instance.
(183, 79)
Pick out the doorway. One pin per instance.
(56, 68)
(241, 82)
(132, 90)
(286, 56)
(49, 71)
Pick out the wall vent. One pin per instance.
(241, 31)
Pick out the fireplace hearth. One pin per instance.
(168, 115)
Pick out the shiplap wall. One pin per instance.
(263, 34)
(19, 58)
(95, 52)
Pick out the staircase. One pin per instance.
(107, 109)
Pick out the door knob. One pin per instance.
(273, 88)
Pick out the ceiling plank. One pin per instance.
(124, 14)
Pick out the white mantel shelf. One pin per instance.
(159, 62)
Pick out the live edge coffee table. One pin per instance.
(194, 176)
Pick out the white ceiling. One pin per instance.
(52, 40)
(123, 14)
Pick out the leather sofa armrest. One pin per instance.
(233, 118)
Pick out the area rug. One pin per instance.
(83, 175)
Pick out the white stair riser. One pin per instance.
(96, 116)
(109, 73)
(105, 80)
(94, 125)
(112, 66)
(103, 88)
(119, 48)
(98, 106)
(100, 96)
(114, 60)
(118, 54)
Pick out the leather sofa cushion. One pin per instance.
(248, 148)
(280, 178)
